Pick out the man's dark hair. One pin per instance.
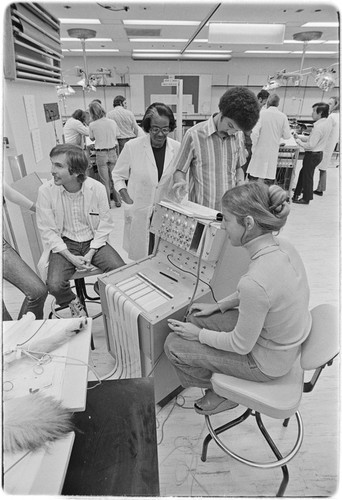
(241, 105)
(118, 100)
(76, 158)
(322, 108)
(79, 115)
(263, 94)
(160, 109)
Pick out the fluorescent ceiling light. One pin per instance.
(168, 56)
(246, 33)
(267, 52)
(332, 41)
(316, 52)
(309, 41)
(323, 24)
(139, 22)
(80, 21)
(157, 50)
(208, 51)
(94, 50)
(88, 39)
(151, 40)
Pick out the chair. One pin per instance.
(80, 286)
(279, 399)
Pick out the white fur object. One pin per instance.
(58, 338)
(32, 421)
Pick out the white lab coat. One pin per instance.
(136, 164)
(332, 140)
(272, 126)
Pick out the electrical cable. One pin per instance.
(192, 274)
(35, 333)
(30, 354)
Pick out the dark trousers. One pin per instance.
(19, 274)
(122, 142)
(305, 179)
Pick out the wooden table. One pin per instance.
(43, 471)
(115, 448)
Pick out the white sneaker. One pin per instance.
(77, 309)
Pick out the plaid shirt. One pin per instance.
(212, 162)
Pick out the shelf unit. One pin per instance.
(286, 167)
(32, 44)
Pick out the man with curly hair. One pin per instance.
(213, 152)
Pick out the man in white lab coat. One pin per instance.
(266, 136)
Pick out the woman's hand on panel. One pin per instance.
(203, 309)
(187, 331)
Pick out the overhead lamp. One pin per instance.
(234, 33)
(158, 22)
(306, 37)
(180, 57)
(267, 51)
(84, 34)
(95, 50)
(322, 24)
(80, 21)
(93, 39)
(156, 40)
(157, 50)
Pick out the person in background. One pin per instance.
(262, 97)
(17, 272)
(74, 221)
(213, 152)
(314, 146)
(125, 120)
(104, 132)
(146, 164)
(334, 118)
(255, 333)
(272, 126)
(76, 129)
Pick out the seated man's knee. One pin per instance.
(54, 285)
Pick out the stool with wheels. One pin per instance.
(80, 286)
(280, 398)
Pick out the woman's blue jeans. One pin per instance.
(19, 274)
(195, 363)
(61, 270)
(105, 162)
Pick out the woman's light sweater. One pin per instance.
(274, 317)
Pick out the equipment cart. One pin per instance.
(286, 167)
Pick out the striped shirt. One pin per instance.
(75, 225)
(212, 161)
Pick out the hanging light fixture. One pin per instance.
(325, 78)
(306, 37)
(83, 34)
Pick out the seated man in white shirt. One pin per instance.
(74, 221)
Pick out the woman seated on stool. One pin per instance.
(255, 333)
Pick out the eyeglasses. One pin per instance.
(156, 130)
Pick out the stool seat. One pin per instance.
(85, 274)
(279, 398)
